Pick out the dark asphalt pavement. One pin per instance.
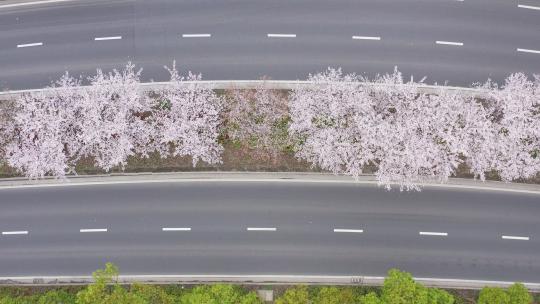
(304, 242)
(491, 32)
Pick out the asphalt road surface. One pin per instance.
(446, 40)
(256, 228)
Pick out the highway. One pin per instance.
(458, 42)
(246, 228)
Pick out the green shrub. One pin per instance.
(493, 295)
(295, 295)
(400, 288)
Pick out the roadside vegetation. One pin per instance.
(343, 123)
(398, 288)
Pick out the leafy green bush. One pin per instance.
(295, 295)
(516, 294)
(219, 294)
(399, 288)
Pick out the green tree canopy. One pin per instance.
(400, 288)
(219, 294)
(519, 294)
(439, 296)
(334, 295)
(493, 295)
(295, 295)
(370, 298)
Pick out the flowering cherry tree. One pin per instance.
(347, 122)
(335, 120)
(515, 112)
(44, 140)
(107, 116)
(110, 120)
(185, 120)
(423, 137)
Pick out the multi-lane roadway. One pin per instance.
(446, 40)
(255, 228)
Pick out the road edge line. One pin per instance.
(259, 279)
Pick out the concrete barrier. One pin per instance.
(250, 84)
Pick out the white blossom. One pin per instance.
(515, 111)
(347, 123)
(185, 120)
(334, 121)
(44, 140)
(107, 116)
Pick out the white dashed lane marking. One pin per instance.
(176, 229)
(14, 232)
(94, 230)
(29, 44)
(366, 38)
(528, 51)
(196, 35)
(452, 43)
(281, 35)
(108, 38)
(349, 230)
(513, 237)
(433, 233)
(529, 7)
(261, 229)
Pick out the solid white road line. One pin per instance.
(512, 237)
(29, 44)
(176, 229)
(108, 38)
(349, 230)
(365, 38)
(250, 179)
(433, 233)
(282, 35)
(196, 35)
(528, 51)
(261, 229)
(14, 232)
(449, 43)
(529, 7)
(94, 230)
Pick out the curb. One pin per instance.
(256, 280)
(268, 84)
(267, 177)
